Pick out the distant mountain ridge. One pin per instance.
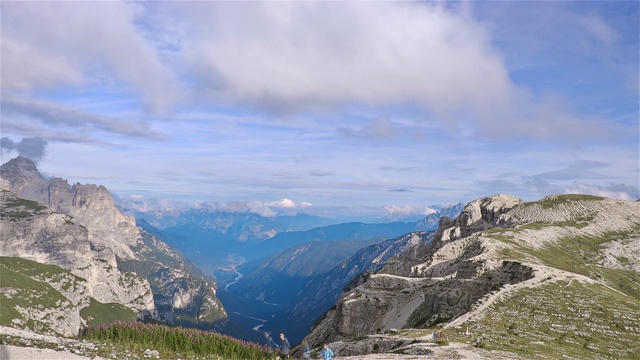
(300, 289)
(78, 228)
(238, 224)
(320, 292)
(201, 230)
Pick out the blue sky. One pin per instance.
(326, 104)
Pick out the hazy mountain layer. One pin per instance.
(304, 281)
(322, 291)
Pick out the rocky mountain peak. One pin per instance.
(478, 215)
(78, 228)
(90, 205)
(20, 166)
(22, 177)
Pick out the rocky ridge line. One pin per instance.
(463, 271)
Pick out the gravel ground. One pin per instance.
(10, 352)
(65, 346)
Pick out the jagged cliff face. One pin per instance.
(32, 231)
(495, 248)
(93, 207)
(22, 177)
(78, 228)
(182, 293)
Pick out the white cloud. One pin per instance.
(619, 192)
(287, 204)
(290, 55)
(32, 68)
(261, 209)
(284, 203)
(53, 44)
(267, 209)
(17, 110)
(143, 204)
(402, 211)
(287, 57)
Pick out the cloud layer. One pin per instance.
(381, 103)
(287, 57)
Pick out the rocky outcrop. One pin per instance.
(477, 216)
(432, 221)
(44, 299)
(79, 228)
(31, 231)
(182, 293)
(472, 260)
(22, 177)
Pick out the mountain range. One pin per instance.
(102, 246)
(107, 260)
(218, 238)
(305, 279)
(499, 278)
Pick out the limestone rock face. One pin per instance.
(469, 263)
(43, 236)
(23, 178)
(79, 228)
(478, 215)
(31, 231)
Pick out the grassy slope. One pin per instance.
(98, 313)
(26, 284)
(565, 319)
(561, 319)
(21, 290)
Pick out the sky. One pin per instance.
(311, 105)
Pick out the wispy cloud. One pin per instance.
(379, 128)
(320, 173)
(399, 168)
(581, 170)
(402, 211)
(51, 114)
(267, 209)
(614, 191)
